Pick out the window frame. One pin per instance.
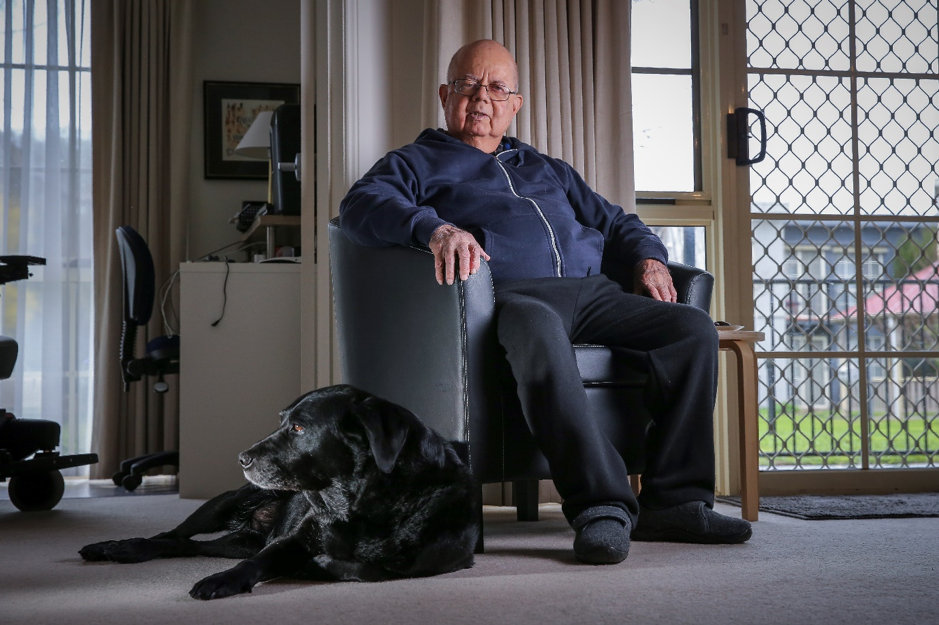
(695, 73)
(694, 208)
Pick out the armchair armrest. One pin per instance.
(408, 339)
(694, 285)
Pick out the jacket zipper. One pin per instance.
(554, 243)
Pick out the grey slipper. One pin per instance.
(690, 522)
(602, 535)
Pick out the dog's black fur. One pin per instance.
(350, 487)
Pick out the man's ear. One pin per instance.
(386, 427)
(517, 104)
(444, 93)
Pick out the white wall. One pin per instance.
(367, 56)
(238, 40)
(383, 83)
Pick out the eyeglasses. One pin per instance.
(497, 92)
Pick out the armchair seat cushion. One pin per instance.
(609, 366)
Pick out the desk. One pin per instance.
(741, 342)
(237, 375)
(268, 224)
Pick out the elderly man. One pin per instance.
(471, 193)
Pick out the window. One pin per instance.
(665, 95)
(45, 211)
(873, 267)
(685, 244)
(844, 268)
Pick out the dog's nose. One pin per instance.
(245, 460)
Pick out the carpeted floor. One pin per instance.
(829, 507)
(791, 571)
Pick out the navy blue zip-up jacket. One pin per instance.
(533, 214)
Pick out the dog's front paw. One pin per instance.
(95, 552)
(134, 550)
(128, 551)
(220, 585)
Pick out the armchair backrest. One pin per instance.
(386, 354)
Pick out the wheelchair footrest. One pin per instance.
(46, 462)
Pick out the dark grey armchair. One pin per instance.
(433, 349)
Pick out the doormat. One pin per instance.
(826, 507)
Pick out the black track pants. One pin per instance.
(539, 320)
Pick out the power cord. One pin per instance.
(165, 291)
(224, 292)
(211, 257)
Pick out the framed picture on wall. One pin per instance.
(230, 108)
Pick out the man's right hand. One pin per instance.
(450, 246)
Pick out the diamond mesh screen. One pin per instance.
(844, 207)
(896, 36)
(808, 162)
(901, 294)
(798, 35)
(903, 398)
(803, 284)
(809, 413)
(898, 145)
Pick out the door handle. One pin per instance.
(738, 136)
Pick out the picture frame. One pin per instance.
(229, 110)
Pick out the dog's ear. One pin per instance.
(386, 426)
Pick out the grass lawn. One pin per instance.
(826, 438)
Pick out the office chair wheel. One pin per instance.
(118, 478)
(131, 482)
(37, 491)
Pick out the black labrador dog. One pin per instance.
(350, 487)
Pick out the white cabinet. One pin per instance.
(236, 376)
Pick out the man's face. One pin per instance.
(477, 119)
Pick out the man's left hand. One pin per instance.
(653, 278)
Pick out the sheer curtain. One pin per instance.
(45, 210)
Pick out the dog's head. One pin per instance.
(328, 434)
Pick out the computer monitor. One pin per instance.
(285, 145)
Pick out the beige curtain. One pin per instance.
(141, 111)
(574, 71)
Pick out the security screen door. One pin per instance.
(844, 220)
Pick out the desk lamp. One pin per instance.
(257, 144)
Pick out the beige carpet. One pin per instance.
(792, 571)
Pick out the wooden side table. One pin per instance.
(741, 343)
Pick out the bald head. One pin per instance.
(485, 47)
(472, 115)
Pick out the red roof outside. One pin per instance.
(917, 294)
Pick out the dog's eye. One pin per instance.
(296, 427)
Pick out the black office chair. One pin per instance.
(434, 350)
(161, 354)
